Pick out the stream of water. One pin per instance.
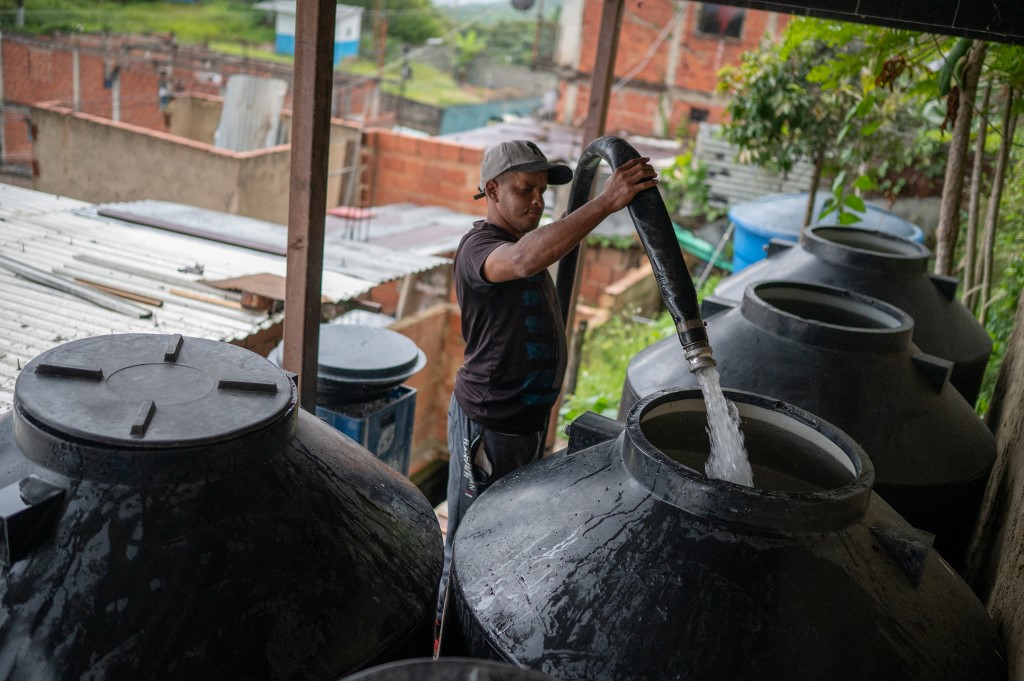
(728, 459)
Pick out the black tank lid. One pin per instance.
(150, 391)
(365, 354)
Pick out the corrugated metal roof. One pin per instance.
(370, 262)
(57, 235)
(422, 230)
(730, 182)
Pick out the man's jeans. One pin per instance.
(479, 457)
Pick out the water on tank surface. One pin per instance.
(728, 459)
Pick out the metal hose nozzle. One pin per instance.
(696, 346)
(698, 356)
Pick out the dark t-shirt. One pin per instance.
(515, 340)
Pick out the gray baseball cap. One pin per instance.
(519, 156)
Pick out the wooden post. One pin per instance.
(604, 69)
(597, 114)
(307, 198)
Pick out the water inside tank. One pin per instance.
(784, 456)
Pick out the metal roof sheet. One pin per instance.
(407, 227)
(367, 261)
(65, 237)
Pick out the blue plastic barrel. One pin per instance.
(781, 216)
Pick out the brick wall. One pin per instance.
(437, 332)
(386, 295)
(604, 266)
(663, 69)
(41, 68)
(430, 172)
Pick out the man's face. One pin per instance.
(518, 199)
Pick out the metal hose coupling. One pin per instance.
(696, 346)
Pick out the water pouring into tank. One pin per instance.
(727, 458)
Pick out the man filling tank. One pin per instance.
(515, 338)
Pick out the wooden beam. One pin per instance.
(604, 69)
(569, 269)
(307, 198)
(997, 20)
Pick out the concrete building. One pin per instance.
(346, 28)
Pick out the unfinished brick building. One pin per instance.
(668, 59)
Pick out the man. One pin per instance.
(515, 339)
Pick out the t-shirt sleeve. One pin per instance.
(472, 256)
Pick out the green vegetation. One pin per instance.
(494, 13)
(235, 27)
(262, 51)
(427, 84)
(684, 186)
(866, 105)
(214, 20)
(1009, 262)
(792, 102)
(468, 45)
(511, 41)
(409, 22)
(606, 352)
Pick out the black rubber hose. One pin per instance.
(652, 222)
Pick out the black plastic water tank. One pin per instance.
(849, 359)
(171, 513)
(622, 561)
(360, 363)
(882, 266)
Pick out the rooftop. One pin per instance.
(346, 253)
(158, 274)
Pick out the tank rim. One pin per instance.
(763, 509)
(156, 467)
(893, 254)
(760, 306)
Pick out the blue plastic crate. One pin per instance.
(386, 432)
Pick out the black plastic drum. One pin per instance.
(849, 359)
(170, 513)
(360, 363)
(621, 561)
(882, 266)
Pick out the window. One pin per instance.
(698, 115)
(720, 20)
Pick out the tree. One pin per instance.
(956, 167)
(974, 205)
(992, 219)
(409, 22)
(788, 103)
(467, 46)
(774, 118)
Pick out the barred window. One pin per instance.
(720, 20)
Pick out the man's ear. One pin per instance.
(491, 190)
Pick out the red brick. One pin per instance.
(449, 152)
(392, 164)
(635, 107)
